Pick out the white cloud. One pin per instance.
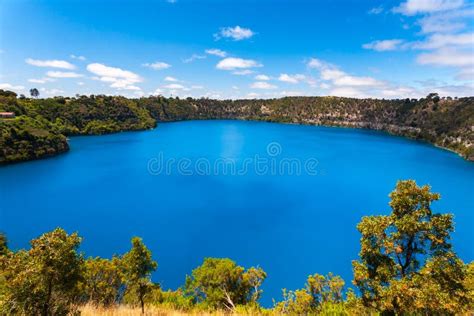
(236, 33)
(8, 86)
(216, 52)
(466, 74)
(292, 93)
(244, 72)
(446, 22)
(50, 63)
(446, 40)
(376, 10)
(37, 81)
(63, 74)
(51, 91)
(158, 91)
(262, 77)
(232, 63)
(77, 57)
(384, 45)
(447, 57)
(159, 65)
(314, 63)
(41, 80)
(174, 86)
(171, 79)
(80, 83)
(349, 92)
(118, 78)
(291, 78)
(193, 58)
(262, 85)
(412, 7)
(337, 82)
(252, 95)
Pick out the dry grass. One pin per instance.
(124, 310)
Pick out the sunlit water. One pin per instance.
(110, 188)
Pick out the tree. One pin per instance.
(43, 280)
(102, 281)
(138, 266)
(405, 251)
(320, 291)
(3, 245)
(221, 283)
(34, 93)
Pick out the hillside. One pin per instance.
(41, 124)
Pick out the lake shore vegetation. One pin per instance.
(406, 266)
(39, 127)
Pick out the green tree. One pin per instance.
(3, 245)
(321, 293)
(221, 283)
(102, 281)
(43, 280)
(34, 92)
(404, 252)
(138, 265)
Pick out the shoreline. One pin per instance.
(343, 126)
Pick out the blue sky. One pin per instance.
(238, 49)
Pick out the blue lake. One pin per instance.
(292, 224)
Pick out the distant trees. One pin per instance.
(406, 262)
(34, 93)
(427, 118)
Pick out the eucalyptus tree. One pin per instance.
(138, 265)
(406, 263)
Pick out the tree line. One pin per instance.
(41, 125)
(406, 265)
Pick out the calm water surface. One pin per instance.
(291, 225)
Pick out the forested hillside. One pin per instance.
(40, 125)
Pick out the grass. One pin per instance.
(124, 310)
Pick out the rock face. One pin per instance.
(447, 123)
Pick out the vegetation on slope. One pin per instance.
(406, 265)
(41, 125)
(446, 122)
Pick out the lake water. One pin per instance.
(251, 206)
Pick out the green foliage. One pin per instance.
(34, 93)
(406, 257)
(102, 281)
(137, 267)
(43, 280)
(172, 300)
(321, 293)
(444, 122)
(221, 283)
(25, 138)
(406, 267)
(3, 245)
